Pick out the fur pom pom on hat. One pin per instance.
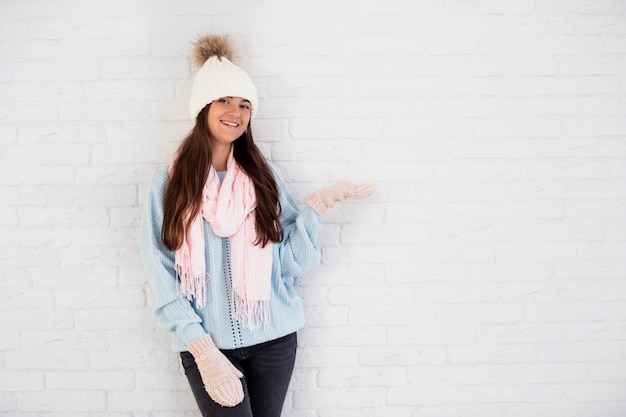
(218, 76)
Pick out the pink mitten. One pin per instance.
(326, 197)
(219, 375)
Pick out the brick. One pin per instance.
(369, 253)
(524, 393)
(342, 335)
(510, 271)
(473, 232)
(19, 298)
(51, 92)
(369, 294)
(440, 334)
(566, 311)
(62, 340)
(518, 127)
(99, 298)
(597, 126)
(492, 354)
(525, 333)
(8, 403)
(92, 380)
(104, 111)
(46, 360)
(42, 174)
(535, 251)
(325, 356)
(361, 377)
(353, 234)
(392, 314)
(36, 319)
(585, 269)
(33, 238)
(63, 400)
(559, 106)
(144, 68)
(68, 70)
(564, 170)
(453, 375)
(397, 411)
(136, 360)
(93, 195)
(610, 408)
(23, 195)
(322, 128)
(533, 292)
(456, 252)
(589, 331)
(556, 410)
(108, 318)
(608, 371)
(430, 395)
(436, 293)
(326, 316)
(429, 271)
(74, 277)
(467, 410)
(573, 85)
(424, 129)
(58, 132)
(21, 381)
(159, 380)
(480, 313)
(584, 148)
(531, 24)
(397, 171)
(361, 274)
(581, 351)
(543, 373)
(341, 398)
(595, 392)
(461, 191)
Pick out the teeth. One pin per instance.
(230, 123)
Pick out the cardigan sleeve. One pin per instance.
(173, 312)
(299, 250)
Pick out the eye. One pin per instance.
(245, 106)
(222, 100)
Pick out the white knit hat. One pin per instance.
(218, 77)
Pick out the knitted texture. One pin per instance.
(295, 255)
(325, 198)
(220, 377)
(218, 76)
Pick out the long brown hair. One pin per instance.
(183, 193)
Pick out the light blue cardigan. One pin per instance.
(295, 255)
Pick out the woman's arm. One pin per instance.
(173, 312)
(298, 251)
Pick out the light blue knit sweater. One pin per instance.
(295, 255)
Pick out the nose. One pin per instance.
(234, 109)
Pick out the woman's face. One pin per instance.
(228, 118)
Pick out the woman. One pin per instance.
(220, 236)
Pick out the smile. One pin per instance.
(231, 124)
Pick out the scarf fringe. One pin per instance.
(192, 286)
(252, 314)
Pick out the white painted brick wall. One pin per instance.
(486, 278)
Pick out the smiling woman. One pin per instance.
(220, 236)
(228, 118)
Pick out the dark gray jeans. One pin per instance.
(267, 369)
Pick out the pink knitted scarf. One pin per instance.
(228, 206)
